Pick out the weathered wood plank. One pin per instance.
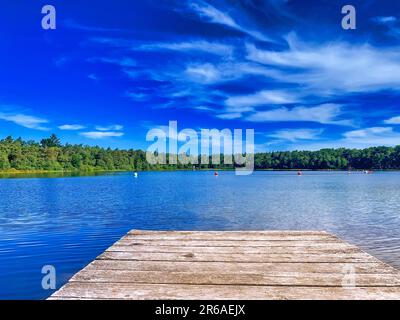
(90, 290)
(215, 278)
(333, 249)
(235, 267)
(233, 233)
(131, 241)
(295, 257)
(232, 237)
(232, 265)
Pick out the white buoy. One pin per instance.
(135, 174)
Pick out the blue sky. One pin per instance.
(112, 70)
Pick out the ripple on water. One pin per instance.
(68, 221)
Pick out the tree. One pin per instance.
(76, 161)
(4, 163)
(53, 141)
(50, 154)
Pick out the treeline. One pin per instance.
(382, 158)
(50, 154)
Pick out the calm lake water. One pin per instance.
(67, 221)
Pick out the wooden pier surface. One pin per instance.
(233, 265)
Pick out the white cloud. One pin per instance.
(93, 77)
(334, 68)
(297, 134)
(24, 120)
(216, 48)
(203, 108)
(208, 73)
(325, 113)
(123, 62)
(71, 127)
(204, 73)
(394, 120)
(373, 136)
(114, 127)
(195, 45)
(265, 97)
(72, 24)
(229, 116)
(136, 96)
(357, 139)
(101, 134)
(60, 61)
(391, 23)
(211, 14)
(316, 73)
(384, 20)
(364, 133)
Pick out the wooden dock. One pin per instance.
(233, 266)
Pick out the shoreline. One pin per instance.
(94, 172)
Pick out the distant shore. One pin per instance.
(51, 156)
(14, 172)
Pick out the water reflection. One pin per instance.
(68, 220)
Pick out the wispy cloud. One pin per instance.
(393, 120)
(190, 45)
(222, 72)
(384, 20)
(216, 48)
(101, 134)
(113, 127)
(71, 127)
(203, 108)
(294, 135)
(205, 73)
(333, 68)
(60, 61)
(72, 24)
(137, 96)
(361, 138)
(322, 71)
(211, 14)
(229, 115)
(264, 97)
(233, 73)
(24, 120)
(123, 62)
(325, 114)
(373, 136)
(93, 77)
(391, 23)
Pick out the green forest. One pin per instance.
(51, 155)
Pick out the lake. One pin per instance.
(67, 221)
